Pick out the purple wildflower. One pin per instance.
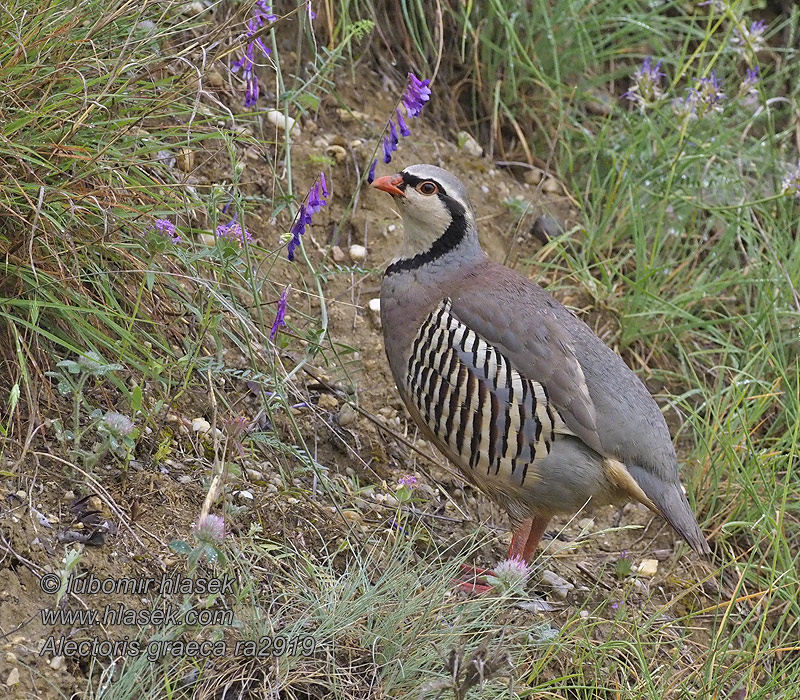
(262, 12)
(393, 138)
(387, 152)
(706, 96)
(210, 528)
(311, 14)
(646, 84)
(234, 231)
(708, 93)
(416, 94)
(298, 229)
(404, 130)
(748, 88)
(371, 173)
(316, 200)
(166, 228)
(750, 39)
(409, 480)
(791, 183)
(280, 315)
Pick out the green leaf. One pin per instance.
(180, 547)
(136, 399)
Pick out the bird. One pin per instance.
(510, 385)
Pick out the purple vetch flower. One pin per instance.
(280, 314)
(410, 481)
(262, 12)
(404, 130)
(393, 139)
(315, 201)
(416, 94)
(387, 152)
(751, 39)
(646, 84)
(311, 14)
(166, 228)
(791, 183)
(233, 231)
(210, 528)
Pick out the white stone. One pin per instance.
(200, 425)
(13, 677)
(245, 495)
(337, 254)
(374, 308)
(358, 253)
(280, 120)
(560, 586)
(647, 568)
(469, 144)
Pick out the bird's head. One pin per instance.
(437, 214)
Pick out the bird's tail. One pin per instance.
(673, 506)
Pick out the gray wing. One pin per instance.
(540, 350)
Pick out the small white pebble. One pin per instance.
(200, 425)
(484, 189)
(358, 253)
(647, 568)
(374, 308)
(392, 228)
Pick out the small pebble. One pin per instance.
(546, 228)
(560, 586)
(346, 416)
(337, 254)
(281, 121)
(469, 145)
(254, 475)
(336, 152)
(57, 663)
(328, 402)
(484, 189)
(552, 186)
(647, 568)
(200, 425)
(184, 479)
(13, 677)
(244, 495)
(374, 308)
(533, 176)
(358, 253)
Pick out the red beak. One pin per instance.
(389, 183)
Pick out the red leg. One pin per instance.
(536, 530)
(524, 542)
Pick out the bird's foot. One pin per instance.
(474, 582)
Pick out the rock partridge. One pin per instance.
(510, 385)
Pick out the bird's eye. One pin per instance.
(427, 188)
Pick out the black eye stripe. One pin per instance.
(413, 181)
